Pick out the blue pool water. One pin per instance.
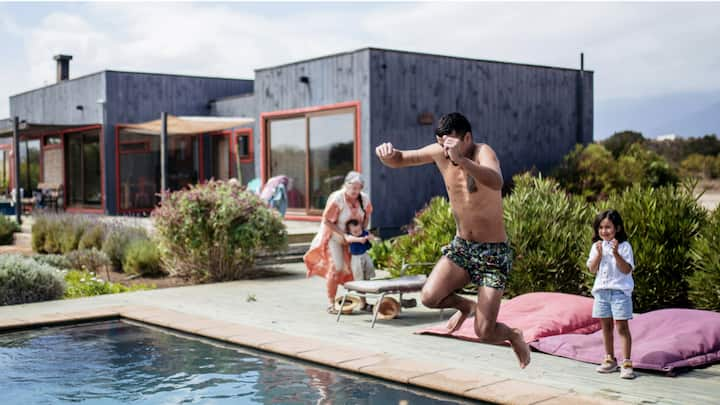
(118, 362)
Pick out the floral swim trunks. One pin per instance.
(487, 264)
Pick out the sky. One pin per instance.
(638, 51)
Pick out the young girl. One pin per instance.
(611, 260)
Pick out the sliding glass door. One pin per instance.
(315, 150)
(82, 169)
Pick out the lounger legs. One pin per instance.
(342, 305)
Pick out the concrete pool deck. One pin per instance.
(286, 315)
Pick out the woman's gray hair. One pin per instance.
(354, 177)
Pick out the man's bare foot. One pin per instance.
(456, 321)
(520, 347)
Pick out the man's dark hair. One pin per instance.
(453, 122)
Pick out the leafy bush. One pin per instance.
(73, 228)
(704, 282)
(93, 238)
(143, 258)
(39, 233)
(213, 231)
(57, 261)
(432, 228)
(645, 167)
(549, 233)
(52, 238)
(701, 166)
(593, 173)
(8, 227)
(23, 280)
(118, 238)
(590, 172)
(55, 234)
(619, 143)
(661, 224)
(88, 260)
(86, 284)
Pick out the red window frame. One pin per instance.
(266, 117)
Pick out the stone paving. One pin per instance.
(286, 315)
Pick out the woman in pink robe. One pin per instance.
(329, 255)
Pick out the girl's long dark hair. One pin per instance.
(616, 219)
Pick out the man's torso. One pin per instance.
(477, 208)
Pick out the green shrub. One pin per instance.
(57, 261)
(39, 233)
(640, 165)
(432, 228)
(93, 238)
(590, 172)
(620, 142)
(142, 258)
(213, 231)
(549, 232)
(87, 284)
(117, 238)
(661, 224)
(73, 228)
(53, 238)
(88, 260)
(704, 282)
(23, 280)
(8, 227)
(593, 173)
(56, 234)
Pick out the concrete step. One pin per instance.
(22, 239)
(293, 249)
(271, 261)
(300, 237)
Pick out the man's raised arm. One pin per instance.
(394, 158)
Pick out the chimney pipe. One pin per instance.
(63, 67)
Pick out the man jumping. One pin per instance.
(479, 252)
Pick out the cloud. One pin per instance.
(635, 49)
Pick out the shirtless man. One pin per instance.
(479, 252)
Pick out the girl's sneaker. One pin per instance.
(626, 371)
(609, 365)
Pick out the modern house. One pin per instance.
(311, 120)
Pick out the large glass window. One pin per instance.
(139, 170)
(4, 172)
(29, 165)
(183, 162)
(315, 151)
(83, 169)
(139, 156)
(288, 156)
(331, 154)
(220, 168)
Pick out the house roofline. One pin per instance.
(419, 54)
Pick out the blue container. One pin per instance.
(6, 208)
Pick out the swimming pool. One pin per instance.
(120, 362)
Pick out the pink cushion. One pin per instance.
(537, 315)
(661, 340)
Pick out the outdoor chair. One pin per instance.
(381, 287)
(51, 195)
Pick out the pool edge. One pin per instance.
(382, 365)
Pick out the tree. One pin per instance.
(620, 142)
